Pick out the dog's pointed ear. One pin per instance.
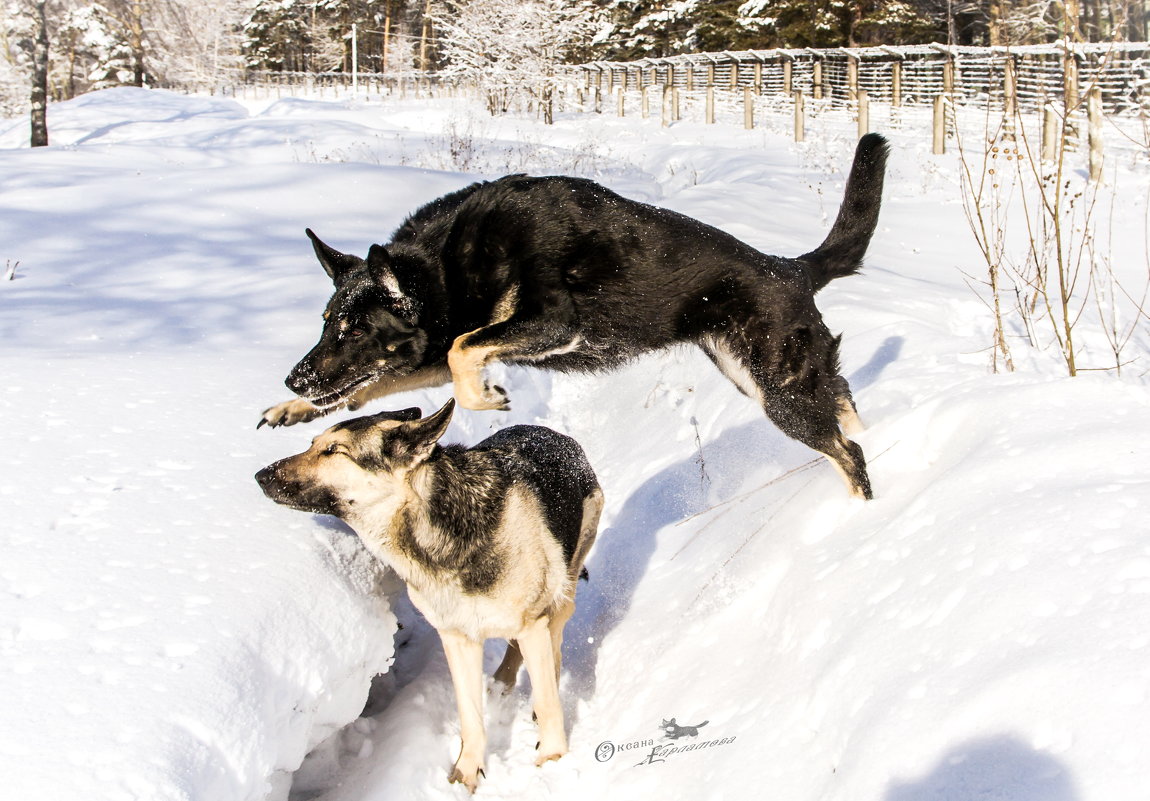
(337, 265)
(431, 428)
(381, 269)
(414, 441)
(402, 415)
(378, 258)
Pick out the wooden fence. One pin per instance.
(924, 86)
(993, 78)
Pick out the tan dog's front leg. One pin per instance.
(465, 660)
(471, 388)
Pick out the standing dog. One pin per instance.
(565, 274)
(490, 541)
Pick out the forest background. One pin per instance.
(58, 49)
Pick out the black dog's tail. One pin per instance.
(841, 253)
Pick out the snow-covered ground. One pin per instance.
(980, 630)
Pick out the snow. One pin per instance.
(978, 630)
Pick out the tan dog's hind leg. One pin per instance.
(559, 617)
(508, 670)
(538, 654)
(465, 660)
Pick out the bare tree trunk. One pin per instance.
(1094, 31)
(424, 36)
(1071, 15)
(137, 42)
(1136, 28)
(856, 12)
(995, 12)
(386, 34)
(39, 96)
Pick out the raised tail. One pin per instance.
(841, 253)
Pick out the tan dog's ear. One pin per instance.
(414, 441)
(402, 415)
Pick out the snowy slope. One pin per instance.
(979, 630)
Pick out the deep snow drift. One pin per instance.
(979, 630)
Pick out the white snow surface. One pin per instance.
(979, 630)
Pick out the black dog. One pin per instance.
(565, 274)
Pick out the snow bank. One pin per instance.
(978, 630)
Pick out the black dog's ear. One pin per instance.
(337, 265)
(414, 441)
(382, 270)
(379, 268)
(378, 258)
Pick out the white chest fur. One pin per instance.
(532, 575)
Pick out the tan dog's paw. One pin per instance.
(468, 776)
(550, 753)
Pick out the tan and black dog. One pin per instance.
(564, 274)
(490, 540)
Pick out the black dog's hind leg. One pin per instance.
(796, 380)
(517, 339)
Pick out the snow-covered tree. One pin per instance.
(511, 46)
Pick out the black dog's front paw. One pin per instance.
(497, 397)
(288, 413)
(488, 398)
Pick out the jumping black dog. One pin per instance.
(567, 275)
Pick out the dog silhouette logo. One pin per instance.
(673, 731)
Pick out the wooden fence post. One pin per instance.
(1094, 131)
(645, 102)
(619, 101)
(939, 125)
(1009, 97)
(896, 84)
(818, 78)
(852, 78)
(675, 116)
(667, 112)
(788, 86)
(734, 75)
(1070, 83)
(748, 108)
(758, 77)
(1049, 133)
(710, 106)
(864, 113)
(800, 132)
